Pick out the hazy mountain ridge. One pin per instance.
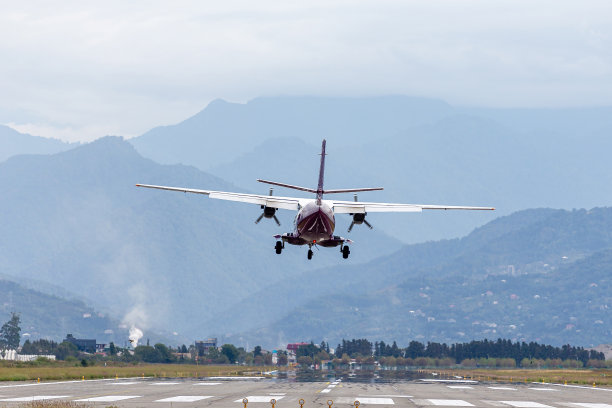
(52, 317)
(13, 143)
(562, 284)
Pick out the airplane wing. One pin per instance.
(286, 203)
(357, 207)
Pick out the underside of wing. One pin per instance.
(359, 207)
(286, 203)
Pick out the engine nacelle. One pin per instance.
(359, 218)
(269, 212)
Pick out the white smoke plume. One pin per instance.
(135, 335)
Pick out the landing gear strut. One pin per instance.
(279, 247)
(345, 251)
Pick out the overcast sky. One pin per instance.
(78, 70)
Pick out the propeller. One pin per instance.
(268, 212)
(359, 218)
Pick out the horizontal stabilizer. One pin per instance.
(275, 183)
(351, 190)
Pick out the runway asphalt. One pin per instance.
(216, 392)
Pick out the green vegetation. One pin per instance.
(72, 369)
(477, 353)
(9, 333)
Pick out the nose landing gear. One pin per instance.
(310, 254)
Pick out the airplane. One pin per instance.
(315, 221)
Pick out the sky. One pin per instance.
(79, 70)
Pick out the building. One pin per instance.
(293, 347)
(86, 345)
(202, 346)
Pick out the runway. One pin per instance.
(216, 392)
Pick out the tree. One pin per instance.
(230, 351)
(66, 349)
(257, 351)
(9, 333)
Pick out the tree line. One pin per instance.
(475, 350)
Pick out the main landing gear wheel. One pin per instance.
(278, 247)
(310, 254)
(345, 251)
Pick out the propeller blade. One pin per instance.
(259, 219)
(368, 224)
(351, 226)
(277, 221)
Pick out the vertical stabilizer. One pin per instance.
(321, 174)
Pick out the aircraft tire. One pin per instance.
(345, 252)
(278, 247)
(310, 254)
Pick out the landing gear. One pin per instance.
(345, 251)
(279, 247)
(310, 254)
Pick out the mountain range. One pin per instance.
(185, 267)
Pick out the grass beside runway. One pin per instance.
(63, 371)
(599, 377)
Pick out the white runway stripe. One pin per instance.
(525, 404)
(165, 383)
(542, 389)
(260, 398)
(34, 398)
(208, 383)
(450, 403)
(503, 388)
(325, 391)
(185, 398)
(460, 387)
(591, 405)
(124, 383)
(108, 398)
(366, 400)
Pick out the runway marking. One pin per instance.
(277, 393)
(503, 388)
(208, 383)
(34, 398)
(373, 401)
(460, 387)
(525, 404)
(542, 389)
(164, 383)
(449, 381)
(185, 398)
(450, 403)
(579, 386)
(259, 398)
(325, 391)
(109, 398)
(591, 405)
(387, 396)
(125, 383)
(56, 382)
